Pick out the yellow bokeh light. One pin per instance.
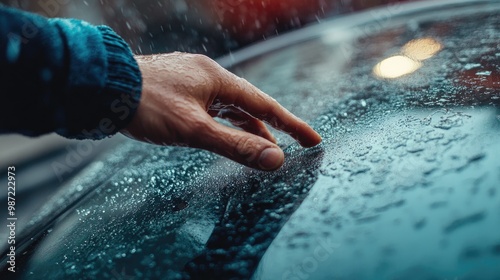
(421, 49)
(395, 67)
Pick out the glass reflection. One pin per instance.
(410, 59)
(395, 67)
(422, 49)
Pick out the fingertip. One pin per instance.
(315, 139)
(309, 137)
(271, 159)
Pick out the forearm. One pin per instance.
(65, 76)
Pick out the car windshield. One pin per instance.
(405, 185)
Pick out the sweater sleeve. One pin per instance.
(64, 76)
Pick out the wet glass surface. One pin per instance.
(405, 186)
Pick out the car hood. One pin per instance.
(404, 186)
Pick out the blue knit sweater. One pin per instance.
(64, 76)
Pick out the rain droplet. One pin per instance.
(483, 73)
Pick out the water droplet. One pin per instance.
(483, 73)
(469, 66)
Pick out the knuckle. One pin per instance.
(210, 70)
(244, 148)
(204, 61)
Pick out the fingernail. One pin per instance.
(271, 159)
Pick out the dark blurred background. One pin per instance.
(212, 27)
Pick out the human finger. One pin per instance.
(244, 121)
(240, 146)
(245, 96)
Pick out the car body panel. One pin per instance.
(404, 186)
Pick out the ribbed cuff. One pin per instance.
(104, 82)
(123, 79)
(114, 106)
(123, 71)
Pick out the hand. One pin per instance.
(183, 92)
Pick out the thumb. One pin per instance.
(242, 147)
